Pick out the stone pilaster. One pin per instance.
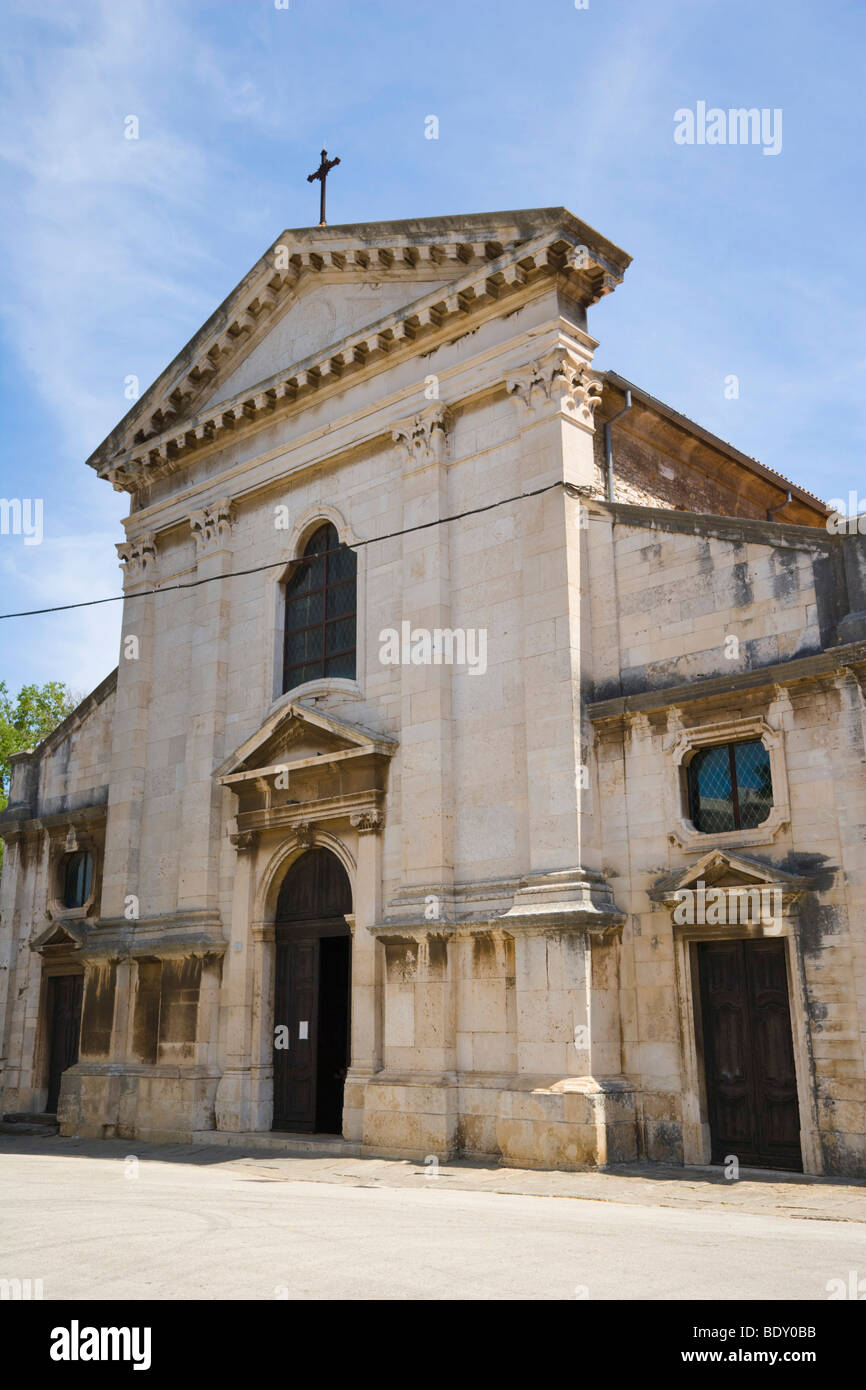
(201, 814)
(129, 732)
(426, 761)
(555, 396)
(233, 1108)
(367, 973)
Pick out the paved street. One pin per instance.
(123, 1220)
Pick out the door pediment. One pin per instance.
(302, 766)
(734, 875)
(296, 735)
(59, 937)
(721, 869)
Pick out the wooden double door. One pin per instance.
(312, 995)
(63, 1004)
(752, 1101)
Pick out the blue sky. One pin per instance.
(115, 251)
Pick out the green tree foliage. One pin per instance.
(27, 719)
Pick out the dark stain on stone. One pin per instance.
(179, 1002)
(831, 594)
(761, 651)
(608, 690)
(817, 867)
(664, 1141)
(145, 1026)
(483, 954)
(786, 576)
(437, 953)
(741, 585)
(818, 922)
(705, 558)
(98, 1011)
(841, 1159)
(633, 681)
(401, 960)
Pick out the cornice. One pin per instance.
(464, 384)
(15, 820)
(174, 432)
(820, 666)
(193, 932)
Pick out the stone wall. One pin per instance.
(766, 595)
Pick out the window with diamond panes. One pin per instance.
(730, 787)
(320, 612)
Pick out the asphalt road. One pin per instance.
(102, 1227)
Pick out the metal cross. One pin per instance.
(321, 174)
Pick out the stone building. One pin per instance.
(465, 786)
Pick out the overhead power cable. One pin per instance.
(275, 564)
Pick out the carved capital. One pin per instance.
(558, 380)
(423, 438)
(244, 840)
(211, 524)
(366, 821)
(138, 557)
(580, 390)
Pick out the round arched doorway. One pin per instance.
(312, 994)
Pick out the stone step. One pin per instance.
(16, 1122)
(275, 1141)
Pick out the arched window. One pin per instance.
(77, 878)
(730, 787)
(320, 611)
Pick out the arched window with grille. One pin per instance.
(321, 604)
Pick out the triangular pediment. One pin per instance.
(62, 933)
(326, 302)
(324, 310)
(297, 737)
(720, 869)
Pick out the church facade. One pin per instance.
(479, 776)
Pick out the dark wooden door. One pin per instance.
(296, 1013)
(64, 1013)
(311, 995)
(749, 1053)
